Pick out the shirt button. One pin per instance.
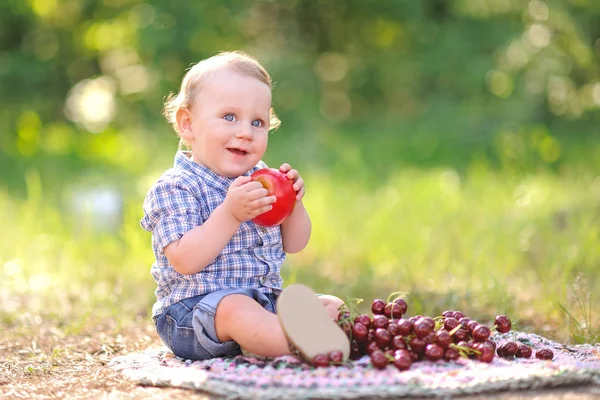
(263, 279)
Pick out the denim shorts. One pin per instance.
(188, 327)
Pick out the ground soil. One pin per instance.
(42, 360)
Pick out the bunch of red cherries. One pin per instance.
(388, 338)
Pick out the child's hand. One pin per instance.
(247, 199)
(295, 177)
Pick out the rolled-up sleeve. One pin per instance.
(170, 210)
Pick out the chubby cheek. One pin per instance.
(260, 143)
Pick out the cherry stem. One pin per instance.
(351, 305)
(456, 328)
(398, 295)
(463, 351)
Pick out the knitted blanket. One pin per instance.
(286, 377)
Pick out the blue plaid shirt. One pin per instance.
(183, 198)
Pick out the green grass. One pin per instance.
(485, 242)
(581, 317)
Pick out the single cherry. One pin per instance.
(379, 321)
(402, 360)
(544, 354)
(450, 323)
(371, 347)
(433, 352)
(429, 321)
(486, 353)
(502, 323)
(403, 306)
(507, 349)
(320, 360)
(392, 310)
(393, 328)
(451, 354)
(382, 338)
(398, 342)
(524, 351)
(359, 332)
(422, 328)
(481, 333)
(443, 338)
(378, 306)
(417, 345)
(461, 335)
(363, 319)
(336, 356)
(405, 327)
(378, 359)
(458, 315)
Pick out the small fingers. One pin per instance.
(253, 185)
(241, 180)
(298, 184)
(285, 167)
(300, 194)
(257, 193)
(293, 175)
(261, 202)
(263, 210)
(269, 199)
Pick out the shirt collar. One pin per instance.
(183, 160)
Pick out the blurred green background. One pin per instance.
(451, 149)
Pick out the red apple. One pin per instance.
(280, 186)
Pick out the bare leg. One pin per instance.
(332, 305)
(242, 319)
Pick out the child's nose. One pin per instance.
(245, 132)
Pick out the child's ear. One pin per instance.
(184, 123)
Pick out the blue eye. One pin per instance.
(229, 117)
(257, 123)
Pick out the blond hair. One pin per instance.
(193, 79)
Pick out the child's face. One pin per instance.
(229, 123)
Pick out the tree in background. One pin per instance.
(83, 81)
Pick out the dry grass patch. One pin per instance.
(39, 359)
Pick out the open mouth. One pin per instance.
(238, 152)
